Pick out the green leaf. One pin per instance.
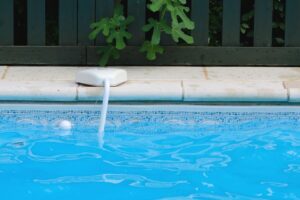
(114, 29)
(151, 50)
(147, 27)
(165, 27)
(279, 40)
(105, 54)
(157, 27)
(102, 25)
(129, 20)
(119, 37)
(156, 35)
(156, 5)
(179, 12)
(243, 31)
(182, 1)
(178, 33)
(246, 26)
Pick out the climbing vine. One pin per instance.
(177, 27)
(115, 32)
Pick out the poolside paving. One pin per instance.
(41, 73)
(293, 88)
(173, 84)
(38, 90)
(3, 70)
(139, 90)
(227, 91)
(134, 73)
(254, 73)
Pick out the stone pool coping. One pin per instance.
(158, 84)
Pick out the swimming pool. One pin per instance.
(150, 152)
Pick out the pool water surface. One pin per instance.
(150, 152)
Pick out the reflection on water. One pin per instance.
(155, 155)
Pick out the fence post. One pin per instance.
(292, 30)
(137, 9)
(103, 9)
(86, 15)
(263, 22)
(36, 22)
(200, 15)
(67, 22)
(231, 22)
(6, 22)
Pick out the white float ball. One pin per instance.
(65, 125)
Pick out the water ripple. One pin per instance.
(130, 179)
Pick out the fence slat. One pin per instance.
(292, 26)
(231, 22)
(42, 55)
(36, 25)
(103, 9)
(200, 15)
(207, 56)
(67, 22)
(86, 15)
(6, 22)
(263, 23)
(137, 9)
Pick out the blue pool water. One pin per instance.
(153, 153)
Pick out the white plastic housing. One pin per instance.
(96, 76)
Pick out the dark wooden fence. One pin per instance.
(74, 47)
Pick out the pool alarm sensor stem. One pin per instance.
(102, 77)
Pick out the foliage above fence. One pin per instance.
(115, 29)
(177, 27)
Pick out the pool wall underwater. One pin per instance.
(149, 152)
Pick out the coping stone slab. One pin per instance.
(165, 73)
(293, 88)
(24, 73)
(135, 91)
(253, 73)
(38, 91)
(292, 84)
(18, 73)
(2, 71)
(294, 95)
(235, 91)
